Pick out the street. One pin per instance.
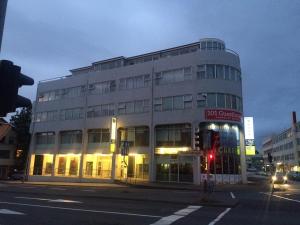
(30, 204)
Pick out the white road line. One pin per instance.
(81, 210)
(177, 215)
(51, 200)
(289, 199)
(10, 212)
(232, 195)
(220, 216)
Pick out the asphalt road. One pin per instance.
(23, 204)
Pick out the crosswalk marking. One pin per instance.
(177, 215)
(219, 216)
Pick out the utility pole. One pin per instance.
(3, 4)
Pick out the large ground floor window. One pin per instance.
(134, 166)
(42, 164)
(97, 165)
(67, 165)
(174, 168)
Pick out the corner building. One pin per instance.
(156, 102)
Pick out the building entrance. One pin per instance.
(174, 168)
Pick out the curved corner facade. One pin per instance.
(135, 118)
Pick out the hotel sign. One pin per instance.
(217, 114)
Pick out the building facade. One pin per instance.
(284, 149)
(148, 105)
(7, 149)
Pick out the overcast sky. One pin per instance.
(50, 37)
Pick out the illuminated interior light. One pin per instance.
(226, 126)
(168, 150)
(213, 126)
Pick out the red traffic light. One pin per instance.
(210, 156)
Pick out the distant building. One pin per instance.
(284, 148)
(148, 106)
(7, 149)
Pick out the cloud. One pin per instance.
(47, 38)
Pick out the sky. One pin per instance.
(48, 38)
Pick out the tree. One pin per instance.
(21, 124)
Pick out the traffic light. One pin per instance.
(210, 156)
(215, 139)
(11, 79)
(199, 140)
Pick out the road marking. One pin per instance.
(289, 199)
(188, 210)
(232, 195)
(177, 215)
(81, 210)
(51, 200)
(59, 189)
(10, 212)
(220, 216)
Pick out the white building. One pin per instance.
(284, 148)
(157, 100)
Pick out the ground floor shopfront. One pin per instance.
(172, 168)
(87, 156)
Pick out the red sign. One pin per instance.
(217, 114)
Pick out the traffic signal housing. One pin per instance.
(11, 79)
(199, 140)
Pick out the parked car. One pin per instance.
(279, 178)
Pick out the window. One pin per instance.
(178, 102)
(45, 138)
(201, 100)
(46, 116)
(187, 101)
(135, 82)
(167, 103)
(223, 72)
(136, 136)
(71, 137)
(173, 103)
(98, 136)
(210, 70)
(211, 100)
(138, 106)
(201, 72)
(173, 135)
(220, 100)
(173, 76)
(220, 71)
(102, 87)
(71, 114)
(157, 104)
(101, 110)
